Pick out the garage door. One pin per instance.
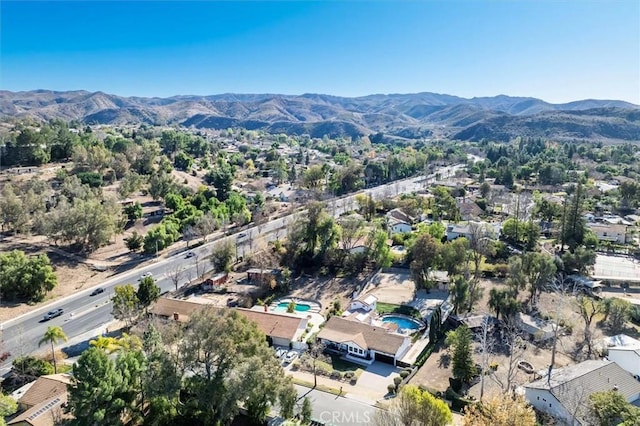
(384, 358)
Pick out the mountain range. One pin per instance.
(405, 116)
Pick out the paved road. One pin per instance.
(83, 312)
(334, 410)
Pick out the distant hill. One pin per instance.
(407, 116)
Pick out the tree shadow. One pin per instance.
(445, 360)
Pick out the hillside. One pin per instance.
(403, 115)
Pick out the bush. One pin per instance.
(336, 375)
(404, 374)
(397, 381)
(391, 388)
(494, 366)
(93, 179)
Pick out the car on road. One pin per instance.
(190, 255)
(97, 291)
(242, 235)
(280, 352)
(146, 274)
(52, 314)
(290, 356)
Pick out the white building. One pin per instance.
(625, 351)
(565, 395)
(609, 232)
(367, 304)
(537, 328)
(362, 342)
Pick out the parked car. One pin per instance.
(146, 274)
(242, 235)
(280, 352)
(52, 314)
(290, 356)
(97, 291)
(190, 255)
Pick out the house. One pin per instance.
(42, 404)
(363, 342)
(536, 328)
(625, 351)
(470, 230)
(367, 304)
(280, 329)
(565, 394)
(176, 309)
(468, 208)
(609, 232)
(398, 222)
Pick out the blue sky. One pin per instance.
(555, 50)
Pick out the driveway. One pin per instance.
(375, 379)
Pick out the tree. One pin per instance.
(351, 230)
(222, 256)
(221, 177)
(588, 309)
(94, 395)
(23, 277)
(316, 353)
(13, 215)
(228, 362)
(460, 341)
(540, 269)
(414, 406)
(133, 211)
(610, 408)
(459, 291)
(452, 256)
(367, 206)
(312, 177)
(53, 335)
(617, 314)
(175, 275)
(444, 205)
(134, 242)
(515, 347)
(500, 411)
(573, 221)
(8, 406)
(148, 292)
(125, 303)
(423, 255)
(579, 261)
(306, 411)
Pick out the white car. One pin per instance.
(146, 274)
(290, 356)
(280, 352)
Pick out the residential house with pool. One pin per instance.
(364, 343)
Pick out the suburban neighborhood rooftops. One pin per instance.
(47, 413)
(366, 336)
(166, 307)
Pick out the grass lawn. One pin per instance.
(343, 365)
(390, 308)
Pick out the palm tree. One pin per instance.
(53, 335)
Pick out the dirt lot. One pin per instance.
(326, 290)
(396, 288)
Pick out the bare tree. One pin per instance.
(513, 346)
(200, 266)
(175, 274)
(316, 353)
(588, 308)
(486, 347)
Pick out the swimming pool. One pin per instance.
(300, 307)
(404, 323)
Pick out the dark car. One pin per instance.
(97, 291)
(52, 314)
(190, 254)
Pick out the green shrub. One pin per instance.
(494, 366)
(404, 374)
(391, 388)
(397, 381)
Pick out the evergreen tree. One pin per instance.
(462, 360)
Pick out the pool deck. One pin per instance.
(315, 307)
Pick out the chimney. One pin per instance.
(176, 316)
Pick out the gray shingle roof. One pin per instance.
(573, 385)
(366, 336)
